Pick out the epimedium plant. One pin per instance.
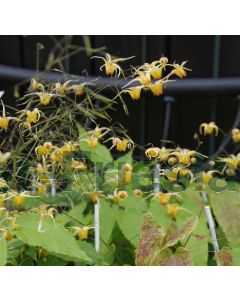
(57, 164)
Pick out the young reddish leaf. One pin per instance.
(224, 257)
(174, 234)
(167, 258)
(150, 241)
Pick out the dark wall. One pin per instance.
(146, 119)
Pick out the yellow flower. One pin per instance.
(92, 142)
(4, 157)
(4, 120)
(45, 97)
(118, 196)
(35, 85)
(33, 116)
(57, 155)
(40, 169)
(95, 196)
(40, 189)
(236, 135)
(19, 198)
(127, 173)
(172, 209)
(111, 65)
(152, 152)
(160, 153)
(69, 147)
(207, 176)
(134, 92)
(8, 235)
(60, 88)
(179, 70)
(82, 232)
(137, 192)
(156, 72)
(122, 144)
(78, 89)
(208, 128)
(78, 165)
(45, 212)
(157, 88)
(164, 198)
(44, 150)
(233, 161)
(184, 155)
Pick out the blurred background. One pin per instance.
(208, 57)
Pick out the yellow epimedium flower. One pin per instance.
(70, 147)
(4, 120)
(156, 88)
(111, 65)
(33, 116)
(164, 198)
(92, 141)
(152, 152)
(236, 135)
(143, 77)
(36, 85)
(207, 176)
(82, 232)
(95, 196)
(179, 70)
(233, 161)
(118, 196)
(45, 212)
(182, 172)
(7, 234)
(79, 89)
(156, 72)
(138, 192)
(57, 156)
(172, 209)
(78, 165)
(4, 157)
(40, 169)
(208, 128)
(45, 97)
(40, 189)
(127, 173)
(184, 156)
(61, 88)
(122, 144)
(19, 198)
(44, 150)
(134, 92)
(158, 153)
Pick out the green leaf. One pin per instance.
(129, 222)
(124, 159)
(3, 252)
(159, 213)
(55, 239)
(99, 154)
(226, 208)
(197, 244)
(107, 223)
